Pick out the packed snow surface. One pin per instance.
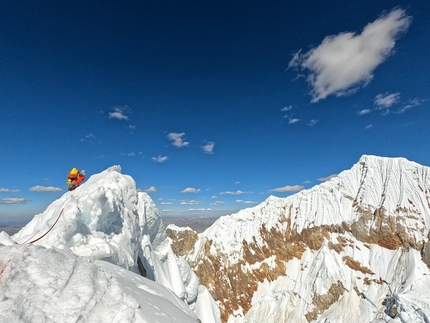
(80, 259)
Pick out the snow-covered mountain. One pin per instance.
(353, 249)
(82, 260)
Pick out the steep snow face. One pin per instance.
(34, 288)
(105, 218)
(307, 258)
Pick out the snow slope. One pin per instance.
(349, 250)
(104, 220)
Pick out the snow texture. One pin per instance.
(399, 280)
(78, 261)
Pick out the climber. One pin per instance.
(75, 178)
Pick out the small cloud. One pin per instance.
(385, 101)
(217, 203)
(293, 120)
(344, 62)
(99, 157)
(284, 109)
(166, 203)
(294, 188)
(150, 190)
(369, 126)
(363, 112)
(411, 104)
(132, 127)
(238, 192)
(246, 202)
(191, 190)
(14, 200)
(89, 137)
(325, 179)
(119, 112)
(312, 123)
(237, 182)
(191, 202)
(132, 154)
(159, 159)
(8, 190)
(178, 139)
(208, 148)
(39, 188)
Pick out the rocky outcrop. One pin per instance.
(313, 250)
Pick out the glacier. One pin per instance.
(352, 249)
(83, 259)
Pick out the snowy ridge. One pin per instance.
(350, 249)
(107, 219)
(372, 183)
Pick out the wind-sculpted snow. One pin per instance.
(105, 218)
(33, 288)
(353, 249)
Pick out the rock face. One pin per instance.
(353, 249)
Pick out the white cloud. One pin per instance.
(369, 126)
(159, 159)
(343, 62)
(217, 203)
(246, 202)
(166, 203)
(191, 190)
(294, 120)
(39, 188)
(363, 112)
(208, 148)
(14, 200)
(411, 104)
(99, 157)
(178, 139)
(312, 123)
(190, 202)
(119, 112)
(150, 190)
(325, 179)
(290, 107)
(385, 101)
(294, 188)
(238, 192)
(8, 190)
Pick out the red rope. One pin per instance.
(4, 267)
(49, 228)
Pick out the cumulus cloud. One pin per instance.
(150, 190)
(293, 120)
(8, 190)
(119, 112)
(217, 203)
(208, 148)
(190, 202)
(190, 190)
(238, 192)
(363, 112)
(178, 139)
(312, 123)
(325, 179)
(343, 62)
(159, 159)
(39, 188)
(294, 188)
(385, 101)
(290, 107)
(246, 202)
(14, 200)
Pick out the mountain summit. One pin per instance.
(352, 249)
(84, 257)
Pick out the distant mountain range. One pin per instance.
(353, 249)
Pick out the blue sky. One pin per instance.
(210, 106)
